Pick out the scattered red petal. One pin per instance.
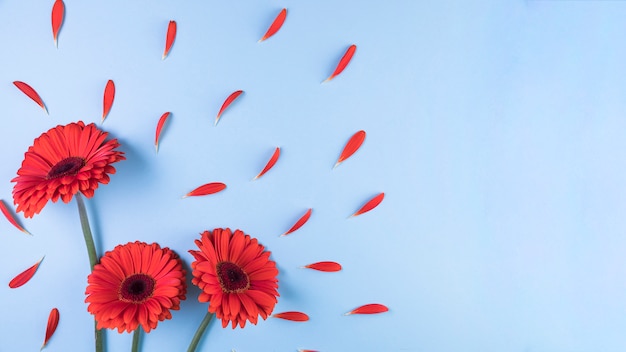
(300, 222)
(270, 163)
(109, 96)
(371, 204)
(31, 93)
(325, 266)
(234, 95)
(275, 26)
(345, 60)
(24, 276)
(53, 321)
(159, 128)
(9, 215)
(354, 143)
(169, 38)
(208, 188)
(372, 308)
(58, 13)
(293, 316)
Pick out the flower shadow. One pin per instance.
(129, 180)
(132, 172)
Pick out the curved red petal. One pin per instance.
(372, 308)
(107, 101)
(58, 13)
(206, 189)
(325, 266)
(292, 316)
(270, 163)
(159, 127)
(300, 222)
(53, 322)
(169, 38)
(354, 143)
(345, 60)
(275, 26)
(234, 95)
(371, 204)
(31, 93)
(24, 276)
(10, 217)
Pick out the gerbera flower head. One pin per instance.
(235, 275)
(61, 162)
(135, 284)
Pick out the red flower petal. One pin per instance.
(300, 222)
(371, 204)
(275, 26)
(24, 276)
(10, 217)
(293, 316)
(354, 143)
(58, 12)
(270, 163)
(159, 128)
(372, 308)
(208, 188)
(169, 38)
(345, 60)
(109, 96)
(234, 95)
(324, 266)
(53, 321)
(31, 93)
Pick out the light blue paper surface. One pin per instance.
(495, 128)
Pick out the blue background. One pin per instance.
(495, 129)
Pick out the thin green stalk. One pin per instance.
(196, 338)
(136, 336)
(93, 257)
(84, 223)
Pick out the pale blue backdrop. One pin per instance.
(495, 128)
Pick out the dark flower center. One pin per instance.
(232, 277)
(136, 288)
(67, 166)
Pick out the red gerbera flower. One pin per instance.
(135, 284)
(61, 162)
(235, 275)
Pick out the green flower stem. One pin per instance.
(84, 223)
(203, 325)
(136, 336)
(93, 257)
